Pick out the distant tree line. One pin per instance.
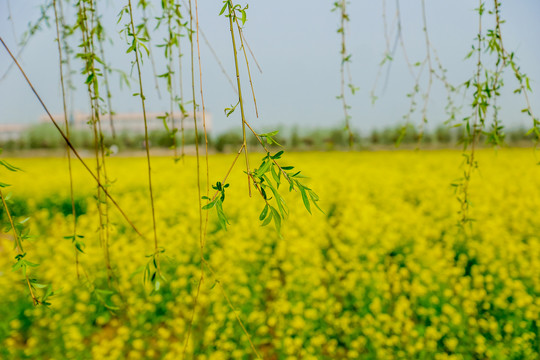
(44, 136)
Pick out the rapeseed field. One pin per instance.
(384, 273)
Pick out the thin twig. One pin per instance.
(181, 86)
(145, 22)
(218, 61)
(240, 98)
(251, 52)
(247, 65)
(201, 235)
(27, 36)
(430, 66)
(18, 242)
(10, 17)
(471, 157)
(106, 69)
(216, 57)
(66, 123)
(203, 117)
(228, 171)
(147, 143)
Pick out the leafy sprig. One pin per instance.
(22, 265)
(152, 271)
(267, 179)
(217, 203)
(235, 9)
(77, 242)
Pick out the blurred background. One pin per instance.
(297, 46)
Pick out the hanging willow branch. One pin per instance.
(345, 72)
(137, 46)
(76, 239)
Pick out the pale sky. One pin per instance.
(297, 46)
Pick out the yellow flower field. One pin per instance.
(384, 273)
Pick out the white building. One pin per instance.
(132, 122)
(12, 131)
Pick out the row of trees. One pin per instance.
(44, 136)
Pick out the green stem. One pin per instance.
(66, 123)
(343, 20)
(201, 237)
(147, 143)
(18, 242)
(240, 98)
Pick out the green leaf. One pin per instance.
(276, 176)
(279, 200)
(39, 286)
(269, 134)
(17, 266)
(265, 166)
(268, 219)
(244, 16)
(277, 220)
(271, 141)
(80, 246)
(314, 198)
(9, 166)
(165, 123)
(131, 48)
(89, 79)
(263, 192)
(264, 212)
(277, 155)
(304, 197)
(221, 214)
(209, 205)
(48, 292)
(223, 8)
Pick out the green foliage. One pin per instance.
(234, 10)
(217, 203)
(485, 85)
(269, 138)
(21, 233)
(306, 139)
(61, 204)
(18, 207)
(267, 178)
(22, 264)
(152, 273)
(76, 240)
(228, 140)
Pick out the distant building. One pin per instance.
(132, 122)
(123, 122)
(12, 131)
